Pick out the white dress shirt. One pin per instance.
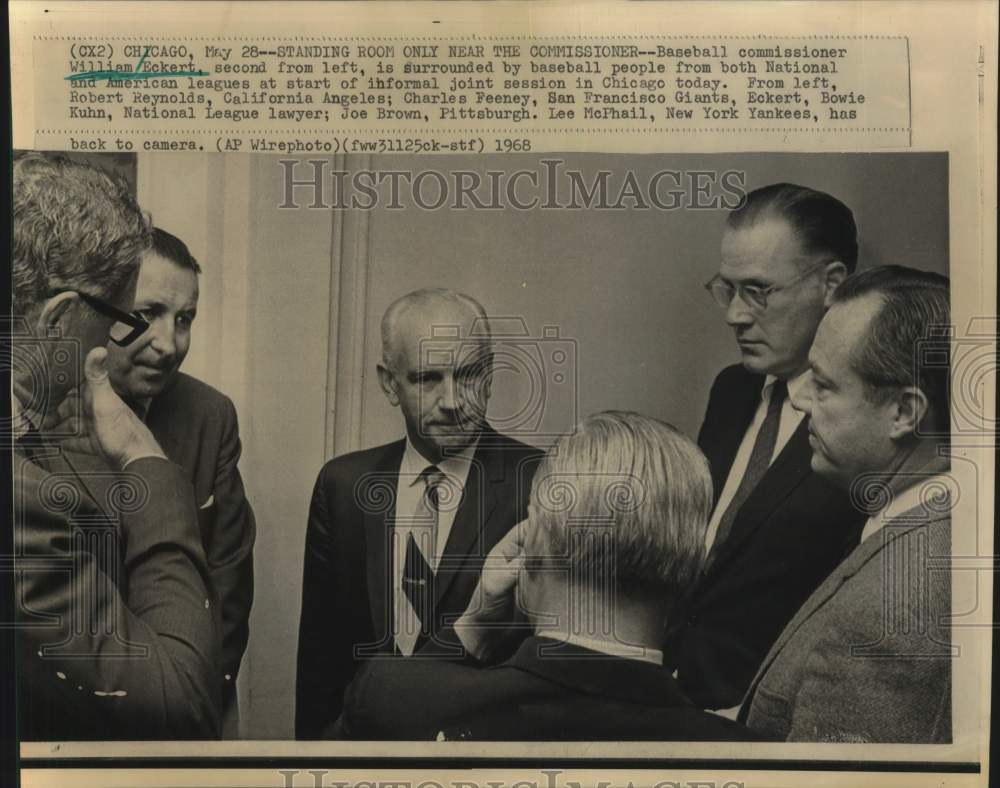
(904, 501)
(622, 650)
(788, 422)
(410, 489)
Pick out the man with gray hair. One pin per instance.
(115, 629)
(397, 534)
(868, 657)
(614, 537)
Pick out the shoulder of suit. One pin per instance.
(492, 439)
(735, 374)
(188, 389)
(355, 463)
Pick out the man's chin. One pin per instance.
(143, 386)
(455, 440)
(754, 362)
(822, 466)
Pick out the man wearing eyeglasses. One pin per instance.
(197, 427)
(116, 635)
(777, 529)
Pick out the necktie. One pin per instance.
(760, 459)
(421, 545)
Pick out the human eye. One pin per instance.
(821, 385)
(185, 319)
(425, 378)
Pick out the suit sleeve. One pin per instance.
(317, 685)
(132, 648)
(230, 554)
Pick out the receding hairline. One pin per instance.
(426, 297)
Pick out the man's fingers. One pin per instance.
(512, 543)
(95, 367)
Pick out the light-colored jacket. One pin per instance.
(868, 657)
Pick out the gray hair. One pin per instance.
(75, 227)
(423, 297)
(624, 498)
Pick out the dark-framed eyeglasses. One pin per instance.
(126, 327)
(754, 296)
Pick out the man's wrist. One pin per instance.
(472, 635)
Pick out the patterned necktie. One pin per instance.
(760, 459)
(421, 545)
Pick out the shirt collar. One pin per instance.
(794, 385)
(913, 496)
(652, 655)
(454, 466)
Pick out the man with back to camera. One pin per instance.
(615, 533)
(778, 528)
(116, 635)
(197, 428)
(868, 657)
(397, 534)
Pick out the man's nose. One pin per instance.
(801, 398)
(738, 313)
(448, 395)
(162, 337)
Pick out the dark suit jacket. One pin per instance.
(116, 634)
(197, 429)
(570, 694)
(789, 535)
(868, 658)
(347, 593)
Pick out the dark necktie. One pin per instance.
(760, 459)
(418, 576)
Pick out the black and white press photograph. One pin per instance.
(509, 448)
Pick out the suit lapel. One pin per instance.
(789, 469)
(378, 489)
(472, 518)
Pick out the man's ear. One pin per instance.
(56, 315)
(388, 384)
(836, 272)
(911, 408)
